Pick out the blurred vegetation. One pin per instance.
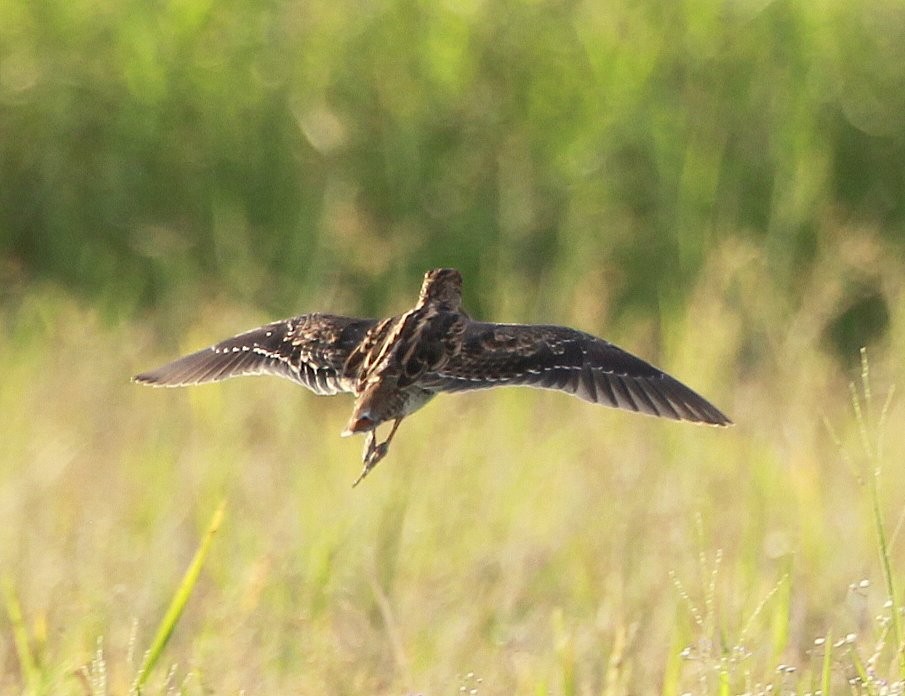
(272, 148)
(514, 541)
(719, 184)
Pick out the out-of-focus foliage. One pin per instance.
(727, 176)
(514, 541)
(276, 147)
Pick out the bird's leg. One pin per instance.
(373, 452)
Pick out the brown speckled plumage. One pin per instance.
(395, 366)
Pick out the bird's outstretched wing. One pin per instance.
(310, 349)
(555, 357)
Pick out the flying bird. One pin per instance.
(395, 366)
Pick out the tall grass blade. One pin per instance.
(180, 599)
(861, 671)
(28, 664)
(782, 615)
(725, 678)
(565, 652)
(827, 668)
(672, 672)
(874, 484)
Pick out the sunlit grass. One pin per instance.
(512, 542)
(28, 666)
(178, 603)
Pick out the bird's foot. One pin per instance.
(373, 454)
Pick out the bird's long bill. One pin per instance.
(358, 424)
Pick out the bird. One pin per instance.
(394, 366)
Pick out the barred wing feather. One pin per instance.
(555, 357)
(310, 349)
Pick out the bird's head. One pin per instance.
(443, 287)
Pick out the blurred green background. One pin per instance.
(718, 186)
(270, 148)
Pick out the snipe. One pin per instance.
(395, 366)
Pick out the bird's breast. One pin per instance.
(415, 398)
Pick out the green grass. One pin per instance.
(514, 541)
(271, 147)
(717, 186)
(179, 601)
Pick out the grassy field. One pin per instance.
(717, 186)
(514, 541)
